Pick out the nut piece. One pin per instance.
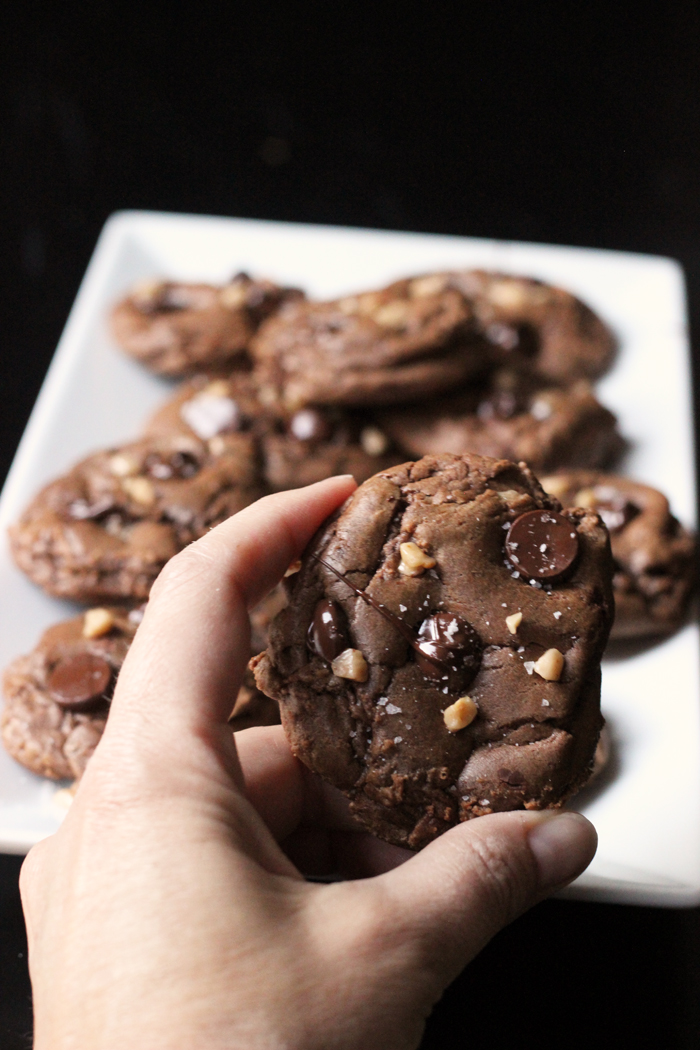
(374, 441)
(550, 665)
(97, 622)
(122, 466)
(460, 714)
(513, 622)
(233, 296)
(351, 664)
(423, 287)
(293, 568)
(393, 315)
(140, 490)
(508, 294)
(414, 561)
(586, 498)
(555, 486)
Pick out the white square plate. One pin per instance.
(647, 812)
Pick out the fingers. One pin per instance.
(189, 654)
(451, 898)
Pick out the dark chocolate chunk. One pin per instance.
(542, 544)
(178, 464)
(78, 680)
(328, 631)
(448, 648)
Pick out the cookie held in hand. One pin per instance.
(440, 655)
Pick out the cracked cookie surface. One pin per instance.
(438, 543)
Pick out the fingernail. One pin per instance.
(563, 846)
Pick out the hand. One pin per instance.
(165, 914)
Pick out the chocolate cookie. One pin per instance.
(537, 326)
(440, 655)
(511, 416)
(296, 448)
(57, 698)
(105, 530)
(401, 342)
(176, 328)
(654, 555)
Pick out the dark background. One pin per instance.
(571, 124)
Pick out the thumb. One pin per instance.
(453, 897)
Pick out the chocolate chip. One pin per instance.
(448, 649)
(178, 465)
(310, 425)
(79, 680)
(328, 632)
(542, 545)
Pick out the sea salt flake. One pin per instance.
(543, 548)
(382, 701)
(398, 739)
(515, 575)
(557, 615)
(484, 802)
(529, 666)
(546, 703)
(392, 709)
(402, 608)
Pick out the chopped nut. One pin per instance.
(422, 287)
(122, 466)
(513, 622)
(146, 292)
(374, 441)
(550, 665)
(554, 486)
(294, 567)
(414, 561)
(233, 296)
(217, 445)
(351, 664)
(219, 388)
(393, 314)
(350, 305)
(97, 622)
(510, 295)
(509, 495)
(460, 714)
(140, 490)
(586, 498)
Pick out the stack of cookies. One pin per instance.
(471, 372)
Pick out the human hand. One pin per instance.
(165, 913)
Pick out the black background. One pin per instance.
(571, 124)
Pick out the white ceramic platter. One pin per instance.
(647, 810)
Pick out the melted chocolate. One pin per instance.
(328, 631)
(443, 639)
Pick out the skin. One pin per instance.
(169, 911)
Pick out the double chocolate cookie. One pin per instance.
(176, 328)
(57, 698)
(296, 448)
(512, 416)
(537, 326)
(413, 338)
(440, 655)
(106, 529)
(654, 555)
